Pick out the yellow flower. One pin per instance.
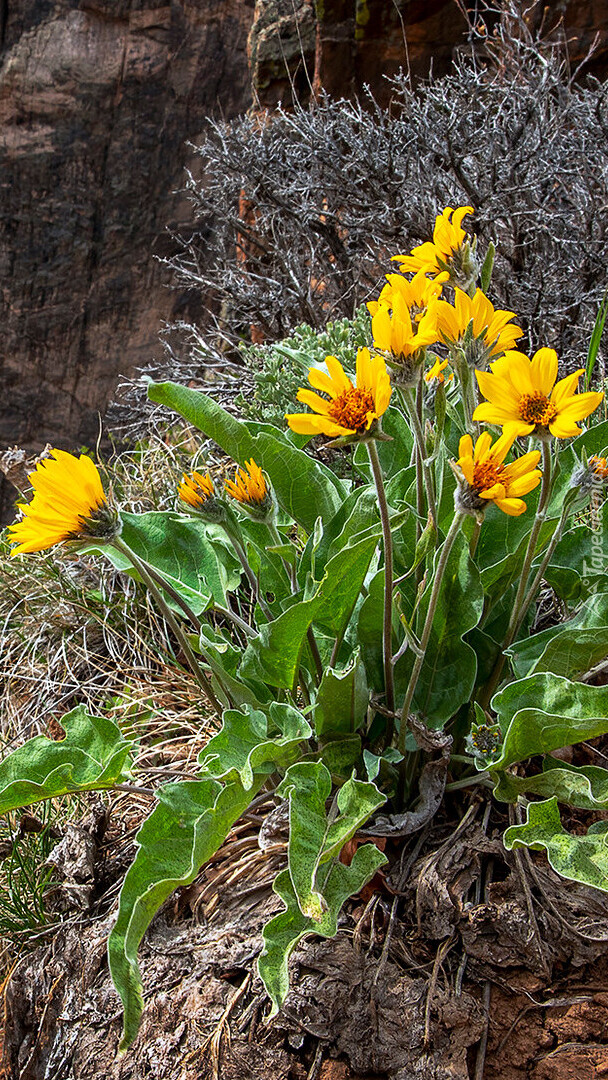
(487, 479)
(351, 411)
(402, 339)
(489, 333)
(436, 372)
(523, 394)
(417, 294)
(69, 503)
(449, 239)
(249, 486)
(196, 489)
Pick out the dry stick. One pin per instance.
(387, 623)
(493, 681)
(151, 585)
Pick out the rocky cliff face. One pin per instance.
(97, 100)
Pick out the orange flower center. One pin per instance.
(351, 408)
(599, 466)
(486, 474)
(537, 409)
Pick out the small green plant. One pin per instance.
(278, 369)
(345, 632)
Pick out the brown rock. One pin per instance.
(97, 100)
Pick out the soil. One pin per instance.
(463, 963)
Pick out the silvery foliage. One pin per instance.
(298, 212)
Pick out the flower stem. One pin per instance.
(473, 542)
(152, 587)
(410, 406)
(523, 600)
(428, 625)
(388, 580)
(249, 574)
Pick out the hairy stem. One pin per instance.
(388, 580)
(409, 401)
(428, 626)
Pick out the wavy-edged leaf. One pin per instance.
(285, 930)
(585, 787)
(245, 748)
(545, 712)
(563, 649)
(315, 837)
(578, 858)
(188, 825)
(92, 756)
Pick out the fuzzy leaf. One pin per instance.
(188, 825)
(578, 858)
(585, 787)
(342, 698)
(568, 649)
(92, 756)
(545, 712)
(313, 837)
(199, 567)
(244, 748)
(283, 932)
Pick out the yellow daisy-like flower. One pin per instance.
(351, 412)
(196, 489)
(487, 479)
(436, 372)
(524, 395)
(417, 294)
(476, 326)
(249, 486)
(401, 338)
(449, 238)
(599, 466)
(69, 503)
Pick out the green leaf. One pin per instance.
(303, 486)
(585, 787)
(578, 858)
(580, 561)
(596, 339)
(342, 697)
(314, 837)
(448, 674)
(190, 822)
(569, 648)
(245, 748)
(342, 582)
(394, 454)
(198, 567)
(92, 756)
(282, 933)
(545, 712)
(224, 659)
(274, 656)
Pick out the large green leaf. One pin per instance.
(275, 654)
(198, 567)
(245, 748)
(303, 486)
(341, 703)
(448, 674)
(282, 933)
(568, 649)
(190, 822)
(393, 454)
(585, 787)
(579, 858)
(545, 712)
(315, 837)
(92, 756)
